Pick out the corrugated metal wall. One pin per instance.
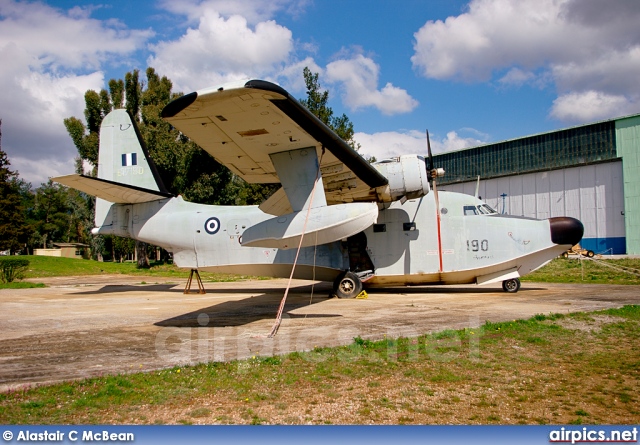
(592, 193)
(628, 145)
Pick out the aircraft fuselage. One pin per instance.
(403, 247)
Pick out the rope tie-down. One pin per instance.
(278, 321)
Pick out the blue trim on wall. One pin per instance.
(616, 246)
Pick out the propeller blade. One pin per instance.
(429, 164)
(429, 152)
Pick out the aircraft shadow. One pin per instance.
(248, 310)
(322, 289)
(115, 288)
(444, 290)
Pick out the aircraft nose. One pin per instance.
(566, 230)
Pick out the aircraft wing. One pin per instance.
(243, 123)
(111, 191)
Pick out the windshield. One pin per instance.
(488, 208)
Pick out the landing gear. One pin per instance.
(347, 285)
(511, 286)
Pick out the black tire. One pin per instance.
(565, 255)
(347, 285)
(590, 254)
(511, 286)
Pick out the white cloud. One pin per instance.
(591, 106)
(233, 40)
(516, 77)
(581, 46)
(50, 58)
(59, 40)
(254, 11)
(222, 49)
(390, 144)
(359, 82)
(291, 76)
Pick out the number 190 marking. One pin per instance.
(475, 245)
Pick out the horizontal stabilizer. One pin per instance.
(111, 191)
(324, 225)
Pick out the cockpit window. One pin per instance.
(482, 210)
(488, 209)
(470, 210)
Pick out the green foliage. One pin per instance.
(601, 271)
(21, 285)
(13, 228)
(46, 266)
(12, 268)
(317, 102)
(59, 214)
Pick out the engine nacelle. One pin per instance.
(407, 176)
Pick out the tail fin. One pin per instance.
(126, 174)
(123, 156)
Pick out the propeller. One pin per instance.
(432, 174)
(430, 164)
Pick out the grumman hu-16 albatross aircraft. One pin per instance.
(343, 219)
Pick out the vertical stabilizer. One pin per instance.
(123, 158)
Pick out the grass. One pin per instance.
(572, 270)
(46, 267)
(556, 368)
(557, 271)
(20, 285)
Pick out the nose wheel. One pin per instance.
(347, 285)
(511, 286)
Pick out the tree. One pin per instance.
(317, 102)
(184, 168)
(13, 228)
(52, 216)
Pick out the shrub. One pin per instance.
(12, 268)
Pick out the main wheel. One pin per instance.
(590, 253)
(565, 255)
(511, 286)
(347, 285)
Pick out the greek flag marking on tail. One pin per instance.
(129, 159)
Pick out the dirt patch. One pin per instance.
(592, 324)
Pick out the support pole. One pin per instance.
(187, 289)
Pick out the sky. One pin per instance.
(469, 72)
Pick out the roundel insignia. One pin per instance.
(212, 225)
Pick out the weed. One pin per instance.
(200, 412)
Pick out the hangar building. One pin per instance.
(590, 172)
